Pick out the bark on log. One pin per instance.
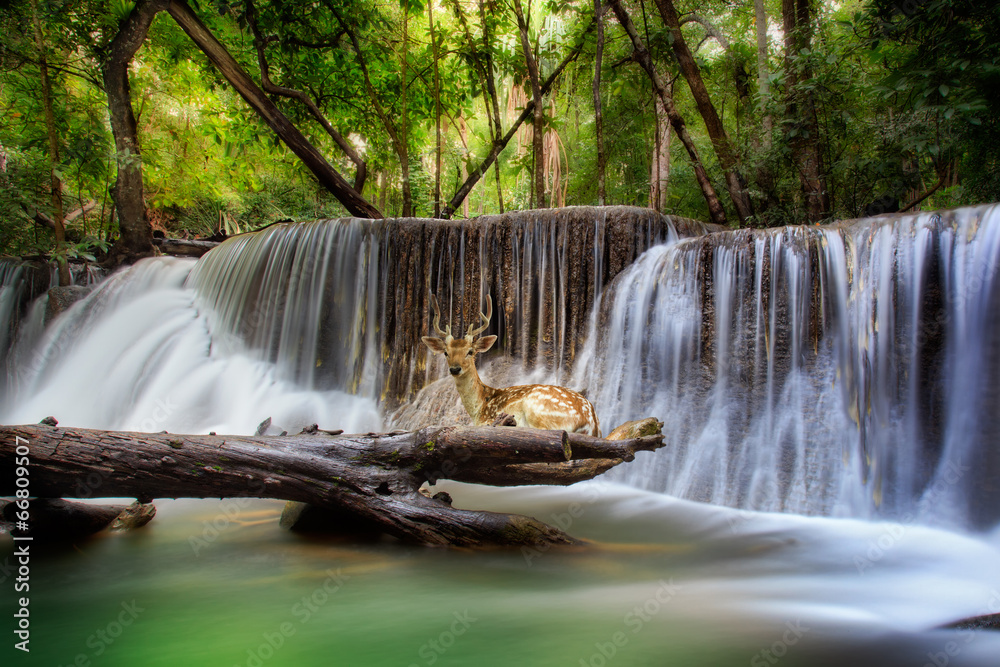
(374, 476)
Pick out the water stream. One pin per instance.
(803, 512)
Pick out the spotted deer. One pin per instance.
(533, 405)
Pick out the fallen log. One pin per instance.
(375, 477)
(54, 519)
(184, 247)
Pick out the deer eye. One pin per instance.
(471, 352)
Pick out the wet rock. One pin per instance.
(61, 298)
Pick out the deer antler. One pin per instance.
(437, 319)
(486, 319)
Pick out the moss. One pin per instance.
(176, 444)
(429, 446)
(216, 468)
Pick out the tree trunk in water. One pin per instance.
(763, 74)
(598, 116)
(327, 176)
(720, 139)
(50, 127)
(374, 477)
(135, 237)
(660, 168)
(538, 118)
(801, 110)
(715, 210)
(437, 110)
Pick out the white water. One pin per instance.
(852, 372)
(139, 354)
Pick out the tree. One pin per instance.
(716, 131)
(802, 123)
(50, 126)
(135, 238)
(538, 110)
(260, 43)
(641, 55)
(598, 119)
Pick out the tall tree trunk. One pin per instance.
(135, 237)
(660, 168)
(598, 115)
(403, 145)
(50, 128)
(716, 131)
(538, 124)
(801, 109)
(763, 74)
(437, 110)
(327, 176)
(715, 210)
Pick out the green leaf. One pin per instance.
(943, 89)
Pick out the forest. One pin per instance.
(200, 118)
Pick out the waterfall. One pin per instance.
(321, 322)
(343, 304)
(843, 370)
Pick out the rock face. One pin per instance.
(61, 298)
(325, 300)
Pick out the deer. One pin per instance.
(540, 406)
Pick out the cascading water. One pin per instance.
(276, 323)
(836, 371)
(139, 354)
(343, 305)
(757, 349)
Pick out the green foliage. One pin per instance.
(905, 95)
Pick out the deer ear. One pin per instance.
(436, 344)
(484, 343)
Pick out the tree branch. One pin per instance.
(269, 86)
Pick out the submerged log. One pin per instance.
(54, 519)
(374, 476)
